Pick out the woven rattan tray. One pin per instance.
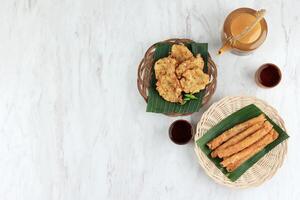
(145, 70)
(261, 171)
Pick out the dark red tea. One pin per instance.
(180, 132)
(268, 75)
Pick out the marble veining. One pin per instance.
(72, 123)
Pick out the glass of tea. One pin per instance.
(181, 131)
(268, 75)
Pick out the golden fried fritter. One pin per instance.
(169, 88)
(192, 63)
(194, 80)
(180, 52)
(164, 66)
(178, 73)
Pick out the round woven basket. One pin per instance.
(261, 171)
(145, 73)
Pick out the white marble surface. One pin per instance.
(72, 124)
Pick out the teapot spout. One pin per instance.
(224, 48)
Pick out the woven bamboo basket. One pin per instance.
(145, 73)
(261, 171)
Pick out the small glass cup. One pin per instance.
(181, 132)
(268, 75)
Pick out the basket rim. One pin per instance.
(143, 88)
(220, 178)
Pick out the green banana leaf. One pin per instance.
(156, 103)
(238, 117)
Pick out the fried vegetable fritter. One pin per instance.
(169, 88)
(194, 80)
(179, 73)
(192, 63)
(180, 52)
(165, 66)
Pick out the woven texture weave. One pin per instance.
(145, 70)
(261, 171)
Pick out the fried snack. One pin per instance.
(237, 138)
(247, 141)
(233, 166)
(192, 63)
(193, 81)
(234, 131)
(237, 159)
(180, 52)
(178, 73)
(167, 83)
(164, 66)
(169, 88)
